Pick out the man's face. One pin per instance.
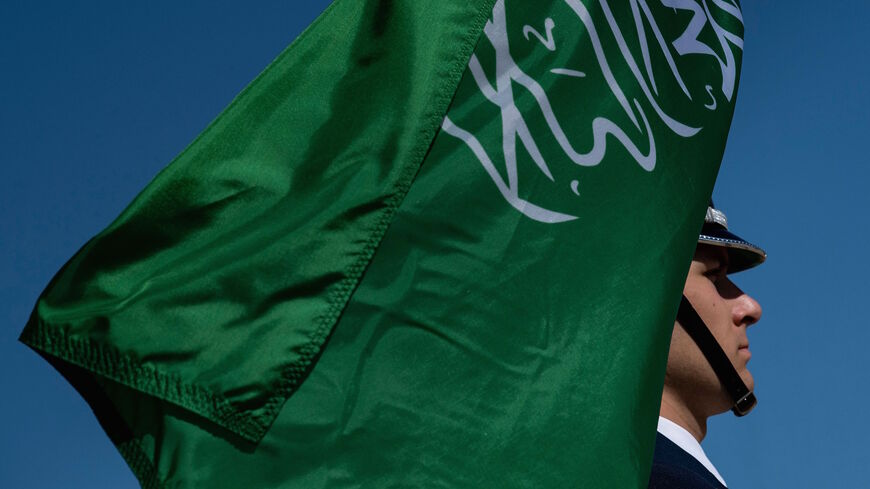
(728, 312)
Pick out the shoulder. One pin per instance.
(674, 468)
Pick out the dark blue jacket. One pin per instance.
(674, 468)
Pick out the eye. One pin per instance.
(716, 274)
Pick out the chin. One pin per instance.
(749, 381)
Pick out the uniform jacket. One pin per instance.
(674, 468)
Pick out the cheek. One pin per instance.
(684, 355)
(715, 312)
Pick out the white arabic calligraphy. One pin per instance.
(515, 127)
(548, 41)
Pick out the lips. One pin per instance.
(744, 349)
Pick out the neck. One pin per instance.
(675, 410)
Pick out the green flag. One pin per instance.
(434, 244)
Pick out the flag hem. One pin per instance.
(108, 362)
(138, 462)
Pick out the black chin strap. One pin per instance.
(744, 399)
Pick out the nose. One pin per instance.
(746, 310)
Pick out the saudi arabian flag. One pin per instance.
(436, 244)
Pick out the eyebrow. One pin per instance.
(717, 259)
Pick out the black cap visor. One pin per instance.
(742, 254)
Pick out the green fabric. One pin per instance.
(324, 290)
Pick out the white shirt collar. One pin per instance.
(688, 443)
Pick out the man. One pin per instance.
(706, 371)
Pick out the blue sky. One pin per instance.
(794, 179)
(96, 98)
